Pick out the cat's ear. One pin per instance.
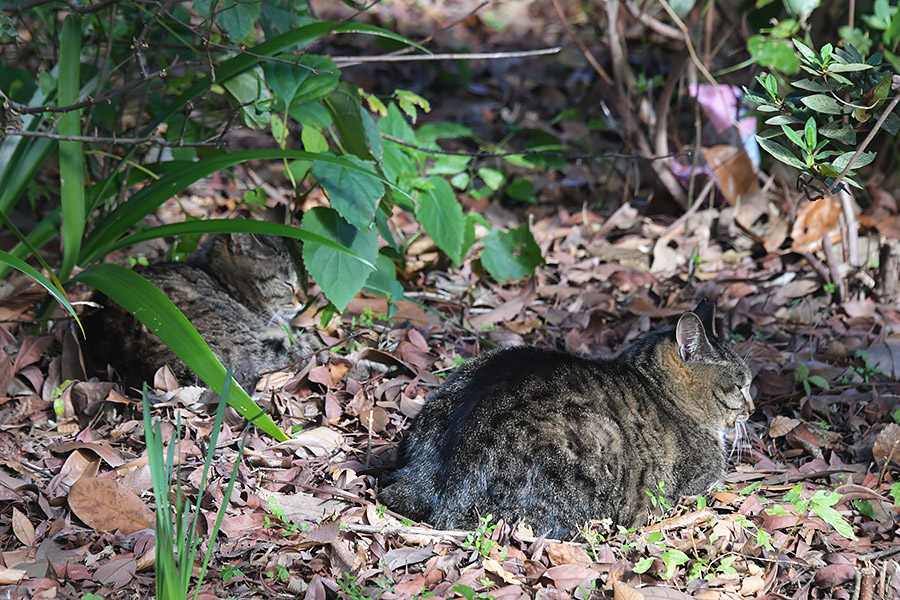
(690, 334)
(707, 313)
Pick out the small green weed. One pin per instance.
(470, 594)
(230, 572)
(480, 540)
(802, 376)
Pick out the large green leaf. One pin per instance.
(132, 212)
(352, 192)
(511, 254)
(237, 17)
(339, 276)
(440, 214)
(248, 91)
(71, 159)
(308, 81)
(151, 307)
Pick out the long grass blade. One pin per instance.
(233, 226)
(151, 307)
(48, 285)
(71, 158)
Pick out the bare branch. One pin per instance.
(76, 6)
(565, 155)
(348, 61)
(158, 141)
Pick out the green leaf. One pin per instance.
(344, 105)
(439, 213)
(71, 158)
(58, 294)
(313, 140)
(309, 81)
(672, 558)
(492, 177)
(819, 381)
(844, 159)
(780, 152)
(892, 124)
(842, 132)
(810, 85)
(383, 281)
(848, 67)
(806, 51)
(237, 17)
(783, 120)
(801, 373)
(339, 275)
(773, 53)
(793, 136)
(233, 226)
(823, 104)
(354, 27)
(132, 212)
(248, 89)
(352, 192)
(510, 255)
(809, 134)
(151, 307)
(832, 517)
(642, 565)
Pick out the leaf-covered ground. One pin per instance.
(809, 508)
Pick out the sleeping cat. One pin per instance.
(556, 439)
(240, 291)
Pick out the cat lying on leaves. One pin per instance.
(555, 439)
(240, 291)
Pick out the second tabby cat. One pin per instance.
(555, 439)
(240, 292)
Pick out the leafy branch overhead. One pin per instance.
(814, 127)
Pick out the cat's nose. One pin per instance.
(749, 399)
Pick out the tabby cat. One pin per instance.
(555, 439)
(239, 291)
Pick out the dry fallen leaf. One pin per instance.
(106, 505)
(751, 585)
(780, 426)
(22, 527)
(11, 576)
(497, 569)
(814, 220)
(733, 169)
(568, 554)
(318, 442)
(887, 444)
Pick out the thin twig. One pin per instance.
(565, 155)
(110, 140)
(588, 55)
(342, 60)
(76, 6)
